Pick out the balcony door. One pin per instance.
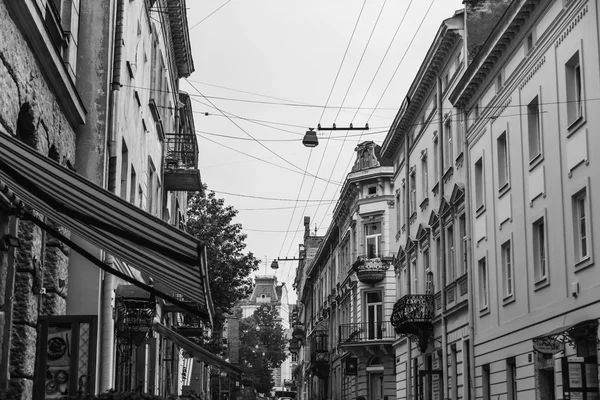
(374, 315)
(373, 240)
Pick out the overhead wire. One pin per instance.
(209, 15)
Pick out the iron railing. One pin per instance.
(413, 308)
(181, 151)
(366, 332)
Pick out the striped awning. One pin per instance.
(170, 256)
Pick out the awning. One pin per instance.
(568, 334)
(152, 246)
(195, 350)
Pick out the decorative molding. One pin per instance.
(571, 26)
(501, 109)
(531, 73)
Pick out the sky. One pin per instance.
(268, 70)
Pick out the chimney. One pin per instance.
(306, 227)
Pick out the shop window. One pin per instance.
(65, 363)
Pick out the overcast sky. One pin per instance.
(264, 72)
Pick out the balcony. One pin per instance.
(319, 354)
(190, 325)
(412, 316)
(363, 333)
(181, 163)
(371, 270)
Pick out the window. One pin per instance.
(483, 285)
(451, 255)
(414, 285)
(294, 357)
(479, 192)
(424, 176)
(533, 126)
(374, 315)
(529, 42)
(507, 269)
(140, 196)
(150, 192)
(581, 226)
(449, 150)
(446, 81)
(574, 89)
(499, 82)
(436, 155)
(502, 149)
(399, 211)
(373, 239)
(511, 378)
(372, 190)
(133, 183)
(462, 232)
(539, 249)
(485, 381)
(438, 260)
(124, 165)
(413, 191)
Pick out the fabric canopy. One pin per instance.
(195, 350)
(168, 255)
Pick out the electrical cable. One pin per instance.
(260, 159)
(205, 18)
(263, 197)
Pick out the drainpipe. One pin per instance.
(469, 258)
(442, 240)
(409, 367)
(106, 324)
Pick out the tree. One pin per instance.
(262, 346)
(229, 269)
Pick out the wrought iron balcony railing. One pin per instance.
(181, 163)
(371, 270)
(411, 312)
(366, 332)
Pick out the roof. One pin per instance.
(180, 36)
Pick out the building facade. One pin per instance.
(528, 112)
(98, 145)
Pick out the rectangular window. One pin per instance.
(415, 277)
(124, 174)
(485, 381)
(462, 231)
(533, 126)
(424, 177)
(449, 151)
(438, 260)
(511, 378)
(150, 191)
(529, 42)
(373, 239)
(581, 226)
(451, 255)
(398, 211)
(539, 249)
(436, 156)
(499, 82)
(502, 149)
(574, 89)
(483, 284)
(133, 184)
(479, 192)
(413, 192)
(507, 269)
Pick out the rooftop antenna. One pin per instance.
(315, 229)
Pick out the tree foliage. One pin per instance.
(262, 346)
(229, 268)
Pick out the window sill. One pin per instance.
(448, 174)
(575, 125)
(480, 210)
(503, 190)
(484, 311)
(541, 283)
(424, 204)
(508, 300)
(535, 161)
(583, 263)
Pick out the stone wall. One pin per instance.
(30, 111)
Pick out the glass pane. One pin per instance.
(84, 356)
(58, 354)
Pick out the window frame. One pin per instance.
(534, 123)
(541, 277)
(503, 162)
(508, 270)
(572, 66)
(580, 262)
(376, 236)
(483, 286)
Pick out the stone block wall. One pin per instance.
(30, 111)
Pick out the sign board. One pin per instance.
(550, 346)
(580, 378)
